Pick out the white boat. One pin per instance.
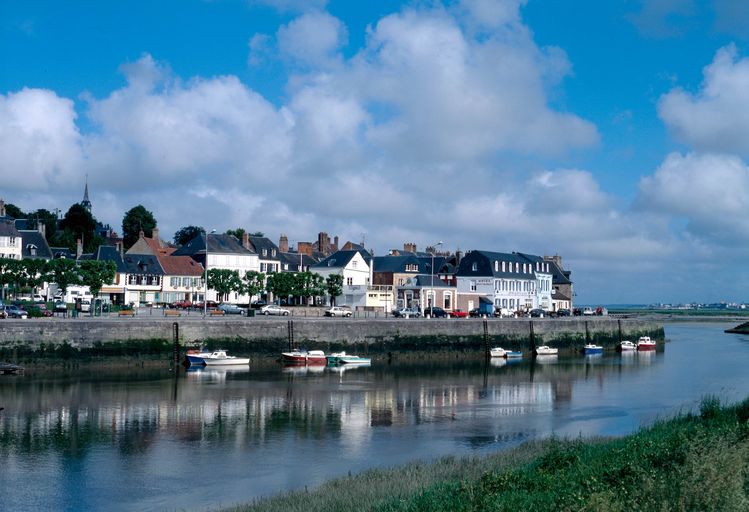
(626, 346)
(545, 350)
(344, 358)
(220, 358)
(590, 348)
(645, 343)
(498, 352)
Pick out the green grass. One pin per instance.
(692, 462)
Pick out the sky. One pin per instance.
(611, 133)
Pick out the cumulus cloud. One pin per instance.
(709, 191)
(313, 39)
(717, 117)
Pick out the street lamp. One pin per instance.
(431, 306)
(205, 283)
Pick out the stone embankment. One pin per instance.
(270, 335)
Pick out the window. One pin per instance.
(503, 267)
(474, 266)
(447, 300)
(473, 285)
(496, 266)
(265, 252)
(263, 267)
(517, 267)
(353, 264)
(273, 252)
(350, 281)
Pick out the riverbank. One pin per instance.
(691, 462)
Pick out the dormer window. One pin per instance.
(32, 249)
(517, 267)
(496, 266)
(474, 266)
(504, 267)
(273, 252)
(265, 252)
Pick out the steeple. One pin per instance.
(86, 203)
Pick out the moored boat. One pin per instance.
(304, 357)
(497, 352)
(545, 350)
(645, 343)
(590, 348)
(344, 358)
(513, 354)
(221, 358)
(626, 346)
(196, 357)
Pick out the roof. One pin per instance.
(425, 281)
(292, 259)
(559, 276)
(180, 266)
(62, 252)
(486, 268)
(8, 228)
(557, 295)
(395, 263)
(338, 259)
(109, 253)
(217, 244)
(142, 264)
(260, 243)
(34, 245)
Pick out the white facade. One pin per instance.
(357, 276)
(242, 263)
(10, 247)
(510, 293)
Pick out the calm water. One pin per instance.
(144, 440)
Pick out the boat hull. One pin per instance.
(593, 350)
(302, 358)
(513, 355)
(197, 359)
(649, 346)
(229, 361)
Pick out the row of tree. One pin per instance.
(301, 285)
(20, 275)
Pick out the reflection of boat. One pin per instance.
(343, 358)
(545, 350)
(498, 361)
(347, 367)
(590, 348)
(626, 346)
(216, 373)
(545, 359)
(500, 352)
(302, 369)
(645, 343)
(305, 357)
(221, 358)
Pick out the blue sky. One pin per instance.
(609, 132)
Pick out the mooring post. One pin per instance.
(587, 334)
(175, 339)
(290, 325)
(533, 337)
(487, 352)
(619, 321)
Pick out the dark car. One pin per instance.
(475, 313)
(435, 312)
(12, 311)
(577, 312)
(563, 312)
(537, 313)
(258, 304)
(231, 309)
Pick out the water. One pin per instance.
(143, 440)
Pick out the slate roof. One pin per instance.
(485, 265)
(8, 228)
(109, 253)
(37, 240)
(142, 264)
(292, 260)
(23, 224)
(559, 276)
(395, 263)
(340, 259)
(217, 244)
(425, 281)
(259, 243)
(62, 252)
(557, 295)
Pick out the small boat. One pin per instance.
(497, 352)
(590, 348)
(344, 358)
(304, 357)
(545, 350)
(196, 357)
(645, 343)
(513, 354)
(220, 358)
(626, 346)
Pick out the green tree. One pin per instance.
(14, 211)
(258, 233)
(334, 285)
(63, 272)
(280, 284)
(136, 219)
(46, 217)
(187, 233)
(317, 285)
(78, 223)
(36, 273)
(237, 233)
(224, 281)
(254, 282)
(12, 274)
(96, 274)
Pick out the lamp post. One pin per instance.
(431, 306)
(205, 284)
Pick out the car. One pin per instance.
(406, 313)
(577, 312)
(601, 311)
(182, 304)
(231, 309)
(338, 311)
(588, 312)
(475, 313)
(273, 309)
(537, 313)
(503, 312)
(458, 313)
(39, 299)
(85, 305)
(60, 306)
(12, 311)
(39, 310)
(211, 304)
(563, 312)
(257, 304)
(435, 312)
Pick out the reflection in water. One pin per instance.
(222, 428)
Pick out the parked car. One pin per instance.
(39, 299)
(182, 304)
(503, 312)
(406, 313)
(435, 312)
(577, 312)
(588, 312)
(258, 304)
(211, 304)
(231, 309)
(338, 311)
(39, 310)
(475, 313)
(85, 305)
(273, 309)
(458, 313)
(12, 311)
(563, 312)
(60, 306)
(536, 313)
(601, 311)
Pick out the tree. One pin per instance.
(254, 282)
(334, 284)
(237, 233)
(258, 233)
(96, 274)
(14, 211)
(317, 285)
(63, 272)
(137, 219)
(78, 224)
(308, 284)
(46, 217)
(36, 273)
(280, 284)
(224, 281)
(11, 273)
(186, 234)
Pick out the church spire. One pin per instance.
(86, 203)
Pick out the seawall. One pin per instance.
(270, 335)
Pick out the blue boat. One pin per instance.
(195, 357)
(592, 349)
(511, 354)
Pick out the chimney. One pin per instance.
(246, 240)
(409, 247)
(141, 234)
(78, 248)
(283, 244)
(41, 228)
(335, 241)
(458, 257)
(155, 235)
(119, 247)
(2, 208)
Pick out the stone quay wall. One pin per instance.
(271, 335)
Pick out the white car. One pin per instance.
(273, 309)
(338, 311)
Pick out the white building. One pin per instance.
(356, 272)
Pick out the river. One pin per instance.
(144, 439)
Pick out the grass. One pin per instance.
(691, 462)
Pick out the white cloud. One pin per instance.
(717, 117)
(313, 39)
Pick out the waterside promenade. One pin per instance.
(370, 335)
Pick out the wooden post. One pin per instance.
(533, 337)
(487, 352)
(587, 334)
(619, 321)
(290, 327)
(175, 340)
